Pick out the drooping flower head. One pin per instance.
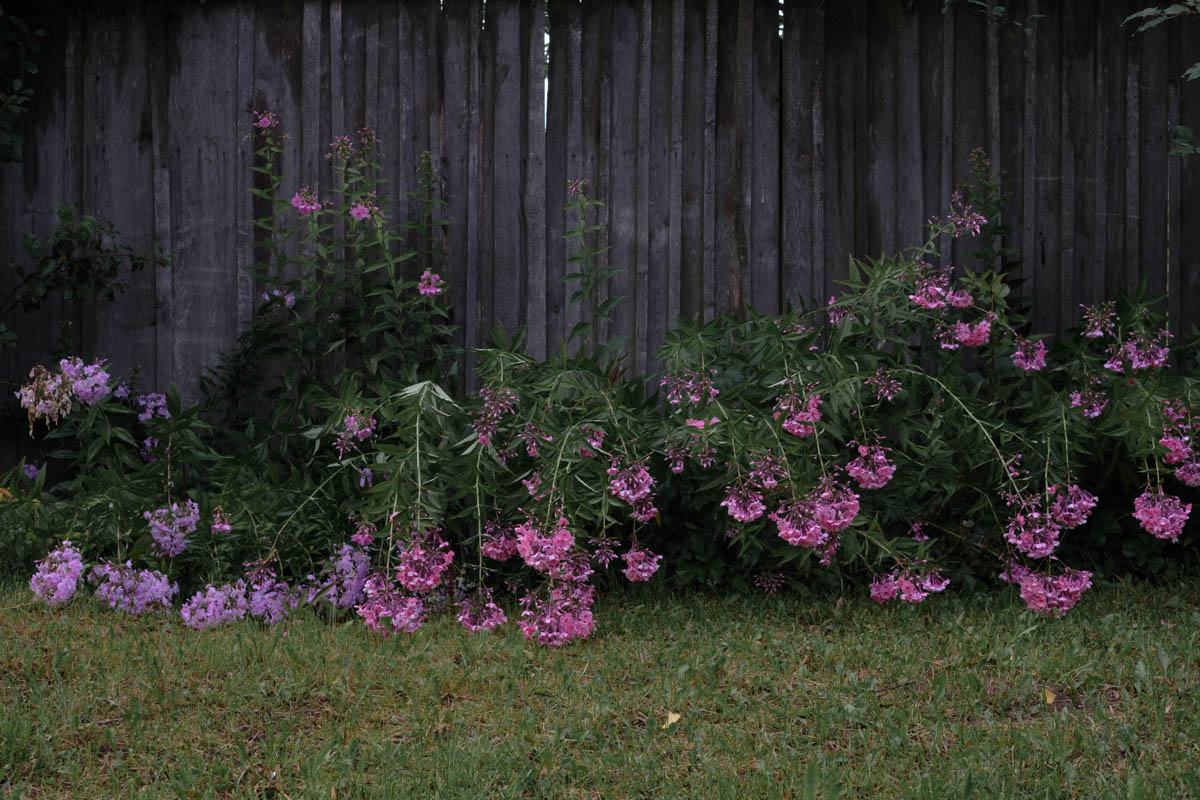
(1161, 514)
(640, 564)
(1030, 355)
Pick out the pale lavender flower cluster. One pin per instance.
(213, 606)
(48, 396)
(169, 527)
(271, 600)
(57, 575)
(357, 426)
(133, 591)
(152, 405)
(89, 382)
(346, 576)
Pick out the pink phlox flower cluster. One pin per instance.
(1090, 402)
(543, 553)
(576, 186)
(345, 576)
(908, 585)
(964, 217)
(744, 502)
(1052, 595)
(918, 533)
(931, 291)
(287, 298)
(594, 439)
(959, 298)
(975, 335)
(305, 202)
(169, 527)
(1032, 531)
(1177, 440)
(57, 575)
(431, 284)
(480, 613)
(532, 483)
(133, 591)
(797, 525)
(884, 385)
(498, 401)
(1161, 514)
(366, 478)
(640, 564)
(1139, 352)
(386, 611)
(766, 469)
(364, 531)
(152, 405)
(604, 553)
(341, 149)
(498, 544)
(871, 469)
(1071, 506)
(365, 208)
(265, 120)
(1189, 473)
(213, 606)
(89, 382)
(220, 523)
(834, 506)
(357, 426)
(696, 386)
(838, 312)
(700, 424)
(1029, 355)
(801, 416)
(530, 436)
(769, 583)
(635, 486)
(564, 616)
(674, 457)
(1178, 449)
(422, 564)
(1100, 320)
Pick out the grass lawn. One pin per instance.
(687, 696)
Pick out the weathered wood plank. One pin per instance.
(692, 178)
(533, 195)
(733, 162)
(763, 210)
(910, 179)
(658, 167)
(881, 196)
(508, 290)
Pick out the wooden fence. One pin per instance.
(745, 150)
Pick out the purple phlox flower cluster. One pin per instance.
(594, 439)
(498, 543)
(1139, 352)
(122, 391)
(213, 606)
(800, 414)
(305, 202)
(1030, 355)
(544, 553)
(700, 424)
(57, 575)
(152, 405)
(345, 576)
(837, 312)
(133, 591)
(265, 120)
(31, 471)
(640, 564)
(341, 149)
(964, 218)
(693, 385)
(89, 382)
(147, 451)
(480, 613)
(918, 533)
(287, 298)
(1071, 505)
(1090, 402)
(871, 469)
(1100, 320)
(530, 435)
(364, 531)
(769, 582)
(269, 599)
(387, 611)
(603, 554)
(635, 486)
(816, 520)
(884, 385)
(766, 469)
(968, 335)
(431, 284)
(1052, 595)
(909, 586)
(357, 426)
(366, 478)
(1177, 439)
(744, 502)
(1033, 531)
(365, 208)
(423, 562)
(1161, 514)
(565, 615)
(498, 401)
(576, 186)
(932, 287)
(169, 527)
(220, 523)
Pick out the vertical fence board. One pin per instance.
(533, 199)
(660, 168)
(764, 210)
(692, 177)
(910, 186)
(883, 24)
(1153, 144)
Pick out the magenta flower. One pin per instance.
(422, 564)
(631, 484)
(884, 588)
(480, 613)
(1090, 402)
(1162, 515)
(1071, 506)
(220, 523)
(871, 469)
(1030, 355)
(386, 611)
(640, 565)
(744, 503)
(964, 217)
(1100, 320)
(430, 284)
(1050, 595)
(1189, 473)
(834, 506)
(797, 525)
(305, 202)
(544, 553)
(1178, 449)
(973, 336)
(500, 546)
(884, 385)
(696, 386)
(1033, 531)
